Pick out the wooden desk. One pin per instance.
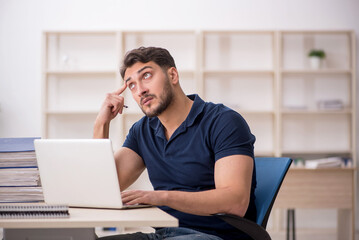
(322, 188)
(82, 222)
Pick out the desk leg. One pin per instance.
(290, 223)
(50, 234)
(345, 224)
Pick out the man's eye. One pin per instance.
(131, 86)
(146, 75)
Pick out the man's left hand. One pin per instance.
(132, 197)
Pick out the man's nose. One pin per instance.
(141, 90)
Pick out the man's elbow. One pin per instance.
(239, 208)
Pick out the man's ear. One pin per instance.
(173, 75)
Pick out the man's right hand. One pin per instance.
(112, 106)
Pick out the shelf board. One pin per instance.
(85, 112)
(316, 32)
(255, 112)
(316, 152)
(316, 71)
(78, 72)
(263, 153)
(294, 168)
(315, 111)
(162, 32)
(132, 113)
(70, 32)
(238, 32)
(71, 112)
(81, 72)
(235, 72)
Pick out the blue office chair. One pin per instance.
(270, 173)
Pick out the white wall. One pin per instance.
(22, 22)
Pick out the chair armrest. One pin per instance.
(250, 228)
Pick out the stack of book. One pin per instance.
(19, 174)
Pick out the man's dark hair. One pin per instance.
(160, 56)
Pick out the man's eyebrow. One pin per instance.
(138, 72)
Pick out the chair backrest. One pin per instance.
(270, 173)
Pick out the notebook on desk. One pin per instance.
(79, 173)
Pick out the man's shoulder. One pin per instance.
(218, 116)
(215, 110)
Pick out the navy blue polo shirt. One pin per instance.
(186, 161)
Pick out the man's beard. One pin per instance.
(165, 99)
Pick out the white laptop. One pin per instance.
(79, 172)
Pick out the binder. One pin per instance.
(33, 211)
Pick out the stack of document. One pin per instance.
(19, 174)
(331, 162)
(21, 194)
(16, 159)
(330, 104)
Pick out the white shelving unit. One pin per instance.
(264, 75)
(239, 70)
(306, 128)
(79, 69)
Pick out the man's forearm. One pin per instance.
(200, 203)
(208, 202)
(233, 179)
(101, 130)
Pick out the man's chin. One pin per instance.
(148, 112)
(150, 115)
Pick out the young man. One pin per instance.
(199, 155)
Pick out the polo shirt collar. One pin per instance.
(196, 110)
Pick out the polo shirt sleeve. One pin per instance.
(130, 141)
(230, 135)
